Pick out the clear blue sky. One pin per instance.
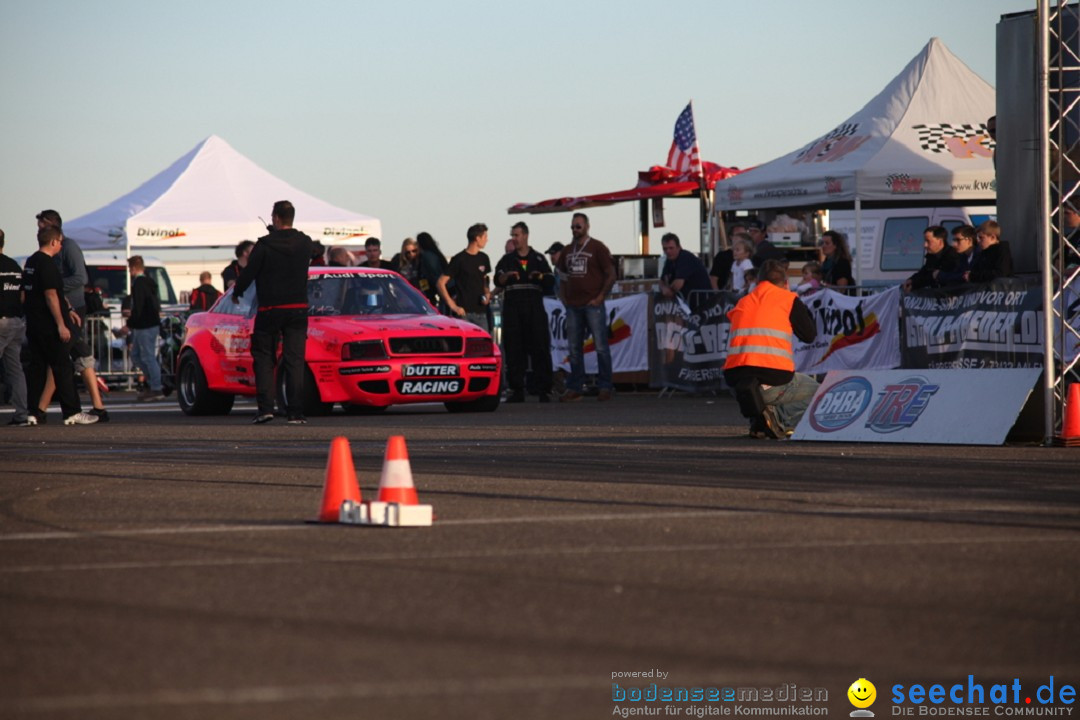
(435, 115)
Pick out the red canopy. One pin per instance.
(657, 181)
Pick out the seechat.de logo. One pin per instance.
(901, 404)
(841, 404)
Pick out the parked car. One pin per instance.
(373, 341)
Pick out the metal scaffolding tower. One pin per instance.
(1059, 170)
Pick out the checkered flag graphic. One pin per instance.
(932, 137)
(825, 143)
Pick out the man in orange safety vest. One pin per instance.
(760, 363)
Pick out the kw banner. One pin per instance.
(853, 333)
(991, 325)
(690, 347)
(628, 330)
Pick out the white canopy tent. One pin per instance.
(212, 197)
(922, 140)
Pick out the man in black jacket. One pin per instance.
(145, 323)
(940, 258)
(279, 264)
(204, 296)
(523, 274)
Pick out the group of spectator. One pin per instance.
(972, 256)
(581, 274)
(44, 304)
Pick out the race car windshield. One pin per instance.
(367, 294)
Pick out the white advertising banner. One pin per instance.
(628, 335)
(943, 407)
(853, 333)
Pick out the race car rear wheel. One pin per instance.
(484, 404)
(194, 396)
(312, 402)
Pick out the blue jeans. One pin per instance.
(595, 317)
(790, 401)
(144, 355)
(480, 319)
(12, 332)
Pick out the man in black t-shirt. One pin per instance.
(683, 273)
(373, 251)
(46, 307)
(12, 332)
(469, 270)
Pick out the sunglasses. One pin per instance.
(577, 227)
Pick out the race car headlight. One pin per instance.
(479, 347)
(365, 350)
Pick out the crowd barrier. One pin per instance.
(112, 354)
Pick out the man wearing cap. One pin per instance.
(523, 274)
(760, 363)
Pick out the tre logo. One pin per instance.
(898, 406)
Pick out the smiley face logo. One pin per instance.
(862, 693)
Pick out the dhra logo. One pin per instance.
(900, 405)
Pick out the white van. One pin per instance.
(890, 246)
(108, 272)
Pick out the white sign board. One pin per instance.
(948, 407)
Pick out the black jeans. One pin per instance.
(291, 325)
(526, 336)
(48, 351)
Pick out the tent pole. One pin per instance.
(1043, 230)
(854, 243)
(643, 227)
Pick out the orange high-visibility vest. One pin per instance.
(761, 329)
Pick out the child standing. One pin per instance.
(742, 249)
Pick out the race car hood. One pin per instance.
(368, 325)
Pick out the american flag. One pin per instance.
(683, 156)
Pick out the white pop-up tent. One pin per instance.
(922, 140)
(212, 197)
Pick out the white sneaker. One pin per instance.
(81, 419)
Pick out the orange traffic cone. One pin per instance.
(396, 483)
(1070, 428)
(341, 481)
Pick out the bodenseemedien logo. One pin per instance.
(862, 695)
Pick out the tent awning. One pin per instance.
(212, 197)
(921, 140)
(657, 181)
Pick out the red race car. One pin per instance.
(373, 341)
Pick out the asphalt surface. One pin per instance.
(160, 566)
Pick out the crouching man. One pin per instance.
(760, 364)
